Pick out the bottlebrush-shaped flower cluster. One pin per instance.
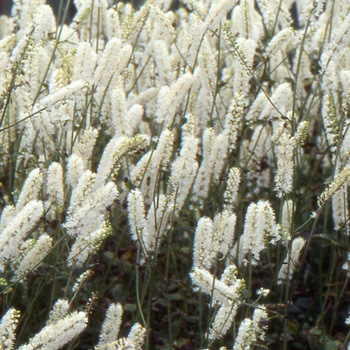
(203, 123)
